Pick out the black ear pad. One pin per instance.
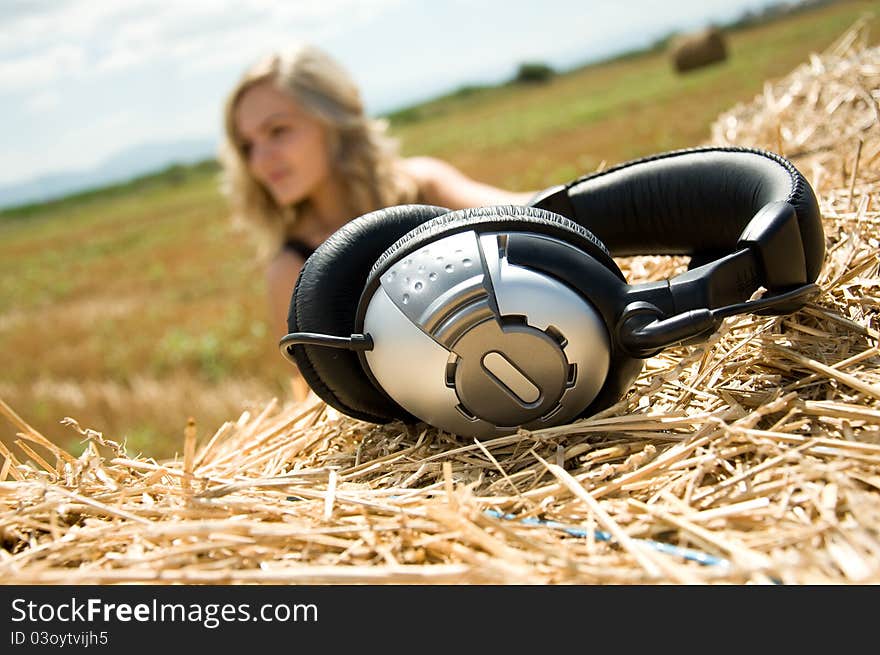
(694, 202)
(325, 300)
(490, 219)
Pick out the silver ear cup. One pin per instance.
(472, 344)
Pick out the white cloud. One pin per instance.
(41, 69)
(94, 38)
(43, 101)
(62, 21)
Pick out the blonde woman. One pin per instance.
(301, 159)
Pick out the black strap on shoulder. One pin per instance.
(300, 247)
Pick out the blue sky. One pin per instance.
(83, 79)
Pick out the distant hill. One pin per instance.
(125, 165)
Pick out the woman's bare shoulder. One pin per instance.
(426, 166)
(432, 171)
(443, 184)
(429, 173)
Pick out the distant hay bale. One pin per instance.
(531, 72)
(698, 49)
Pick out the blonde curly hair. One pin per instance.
(362, 155)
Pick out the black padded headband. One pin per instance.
(702, 202)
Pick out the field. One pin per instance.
(131, 309)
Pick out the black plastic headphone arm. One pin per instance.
(555, 199)
(728, 280)
(725, 281)
(769, 253)
(774, 237)
(643, 330)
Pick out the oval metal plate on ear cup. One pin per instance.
(511, 378)
(526, 376)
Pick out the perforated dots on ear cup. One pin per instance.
(499, 218)
(325, 300)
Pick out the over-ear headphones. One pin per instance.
(483, 321)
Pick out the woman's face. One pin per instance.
(285, 148)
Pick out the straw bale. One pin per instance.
(752, 458)
(697, 49)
